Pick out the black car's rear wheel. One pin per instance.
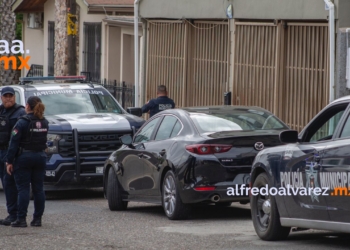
(114, 193)
(171, 201)
(265, 216)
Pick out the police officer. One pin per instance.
(26, 160)
(162, 102)
(9, 114)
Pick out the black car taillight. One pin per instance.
(207, 149)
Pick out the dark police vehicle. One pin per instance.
(85, 123)
(308, 179)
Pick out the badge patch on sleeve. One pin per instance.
(14, 132)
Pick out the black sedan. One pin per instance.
(185, 156)
(311, 176)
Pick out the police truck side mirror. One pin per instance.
(134, 111)
(126, 140)
(289, 136)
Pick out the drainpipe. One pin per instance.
(136, 49)
(330, 6)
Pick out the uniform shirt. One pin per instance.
(18, 134)
(158, 104)
(13, 119)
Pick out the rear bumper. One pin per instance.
(193, 196)
(207, 171)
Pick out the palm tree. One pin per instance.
(8, 33)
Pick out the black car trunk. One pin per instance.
(245, 145)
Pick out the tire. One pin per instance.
(266, 222)
(223, 204)
(114, 193)
(173, 207)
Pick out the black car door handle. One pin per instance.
(162, 153)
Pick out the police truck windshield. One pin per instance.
(72, 101)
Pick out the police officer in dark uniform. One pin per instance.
(26, 160)
(9, 114)
(162, 102)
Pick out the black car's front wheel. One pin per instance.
(265, 215)
(114, 193)
(171, 201)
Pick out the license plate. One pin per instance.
(99, 170)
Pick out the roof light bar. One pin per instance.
(52, 78)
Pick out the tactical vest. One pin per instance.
(36, 135)
(5, 126)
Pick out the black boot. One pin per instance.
(36, 222)
(7, 221)
(19, 223)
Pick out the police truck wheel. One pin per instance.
(265, 215)
(114, 193)
(171, 201)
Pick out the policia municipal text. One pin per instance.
(26, 160)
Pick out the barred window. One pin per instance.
(92, 50)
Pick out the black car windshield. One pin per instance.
(216, 121)
(72, 101)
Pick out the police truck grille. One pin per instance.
(91, 144)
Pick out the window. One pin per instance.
(51, 49)
(166, 129)
(215, 120)
(325, 124)
(176, 129)
(77, 101)
(346, 130)
(92, 50)
(146, 132)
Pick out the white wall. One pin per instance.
(33, 41)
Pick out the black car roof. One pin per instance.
(225, 108)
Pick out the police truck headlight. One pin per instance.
(52, 143)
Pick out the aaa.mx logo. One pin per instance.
(16, 48)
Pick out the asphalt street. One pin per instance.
(82, 220)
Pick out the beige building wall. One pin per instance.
(33, 41)
(113, 53)
(128, 55)
(245, 9)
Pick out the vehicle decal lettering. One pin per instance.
(311, 180)
(69, 91)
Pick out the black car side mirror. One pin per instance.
(134, 111)
(126, 140)
(289, 136)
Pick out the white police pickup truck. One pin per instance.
(85, 123)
